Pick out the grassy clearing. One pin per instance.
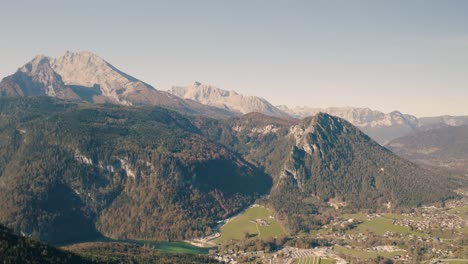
(245, 223)
(462, 211)
(170, 247)
(164, 247)
(380, 225)
(366, 254)
(307, 260)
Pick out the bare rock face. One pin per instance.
(86, 76)
(362, 117)
(382, 127)
(86, 69)
(36, 78)
(229, 100)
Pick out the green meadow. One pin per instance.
(170, 247)
(380, 225)
(245, 223)
(366, 254)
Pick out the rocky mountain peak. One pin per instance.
(86, 76)
(382, 127)
(321, 124)
(36, 64)
(87, 69)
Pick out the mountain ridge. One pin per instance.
(230, 100)
(382, 127)
(86, 76)
(319, 158)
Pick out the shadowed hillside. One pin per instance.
(71, 171)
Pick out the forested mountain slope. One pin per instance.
(325, 158)
(16, 249)
(70, 171)
(382, 127)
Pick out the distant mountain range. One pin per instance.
(229, 100)
(382, 127)
(440, 121)
(86, 76)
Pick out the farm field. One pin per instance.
(366, 254)
(256, 221)
(313, 260)
(161, 246)
(380, 225)
(455, 261)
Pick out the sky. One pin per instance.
(410, 56)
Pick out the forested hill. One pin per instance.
(16, 249)
(70, 171)
(325, 159)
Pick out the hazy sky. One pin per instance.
(406, 55)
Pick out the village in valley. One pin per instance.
(430, 234)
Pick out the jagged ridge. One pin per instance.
(86, 76)
(229, 100)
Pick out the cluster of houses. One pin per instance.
(231, 256)
(433, 218)
(285, 255)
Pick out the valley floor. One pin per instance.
(430, 234)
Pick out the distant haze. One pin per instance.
(410, 56)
